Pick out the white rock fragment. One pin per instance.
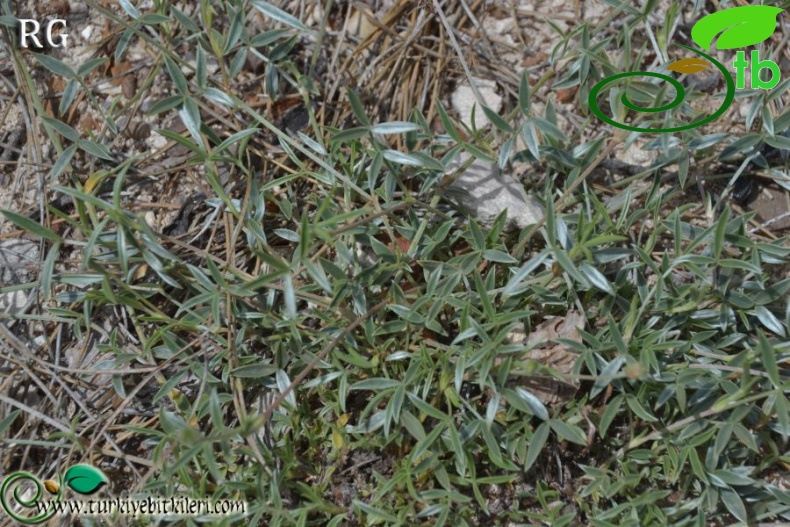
(500, 30)
(150, 219)
(18, 260)
(635, 155)
(156, 142)
(39, 342)
(316, 15)
(365, 256)
(359, 23)
(13, 302)
(594, 12)
(211, 66)
(107, 88)
(485, 192)
(463, 100)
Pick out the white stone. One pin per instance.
(150, 219)
(316, 15)
(485, 192)
(464, 101)
(18, 259)
(365, 256)
(359, 24)
(13, 301)
(156, 142)
(635, 155)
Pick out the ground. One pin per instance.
(234, 264)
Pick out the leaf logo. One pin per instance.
(84, 479)
(739, 27)
(691, 65)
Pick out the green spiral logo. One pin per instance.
(16, 479)
(83, 479)
(680, 94)
(739, 27)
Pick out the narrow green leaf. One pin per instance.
(254, 371)
(770, 321)
(350, 134)
(404, 159)
(375, 384)
(130, 9)
(48, 270)
(730, 498)
(152, 19)
(279, 15)
(178, 138)
(568, 432)
(566, 263)
(8, 421)
(176, 76)
(55, 66)
(425, 443)
(266, 38)
(394, 127)
(69, 94)
(283, 382)
(9, 21)
(536, 444)
(427, 161)
(606, 375)
(190, 116)
(448, 125)
(357, 107)
(412, 425)
(201, 67)
(740, 146)
(531, 139)
(523, 94)
(533, 403)
(95, 149)
(596, 278)
(725, 478)
(617, 337)
(777, 141)
(166, 104)
(495, 255)
(235, 138)
(612, 409)
(497, 120)
(63, 161)
(372, 515)
(477, 152)
(639, 410)
(62, 128)
(720, 231)
(312, 143)
(219, 97)
(769, 359)
(290, 296)
(484, 295)
(516, 281)
(30, 225)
